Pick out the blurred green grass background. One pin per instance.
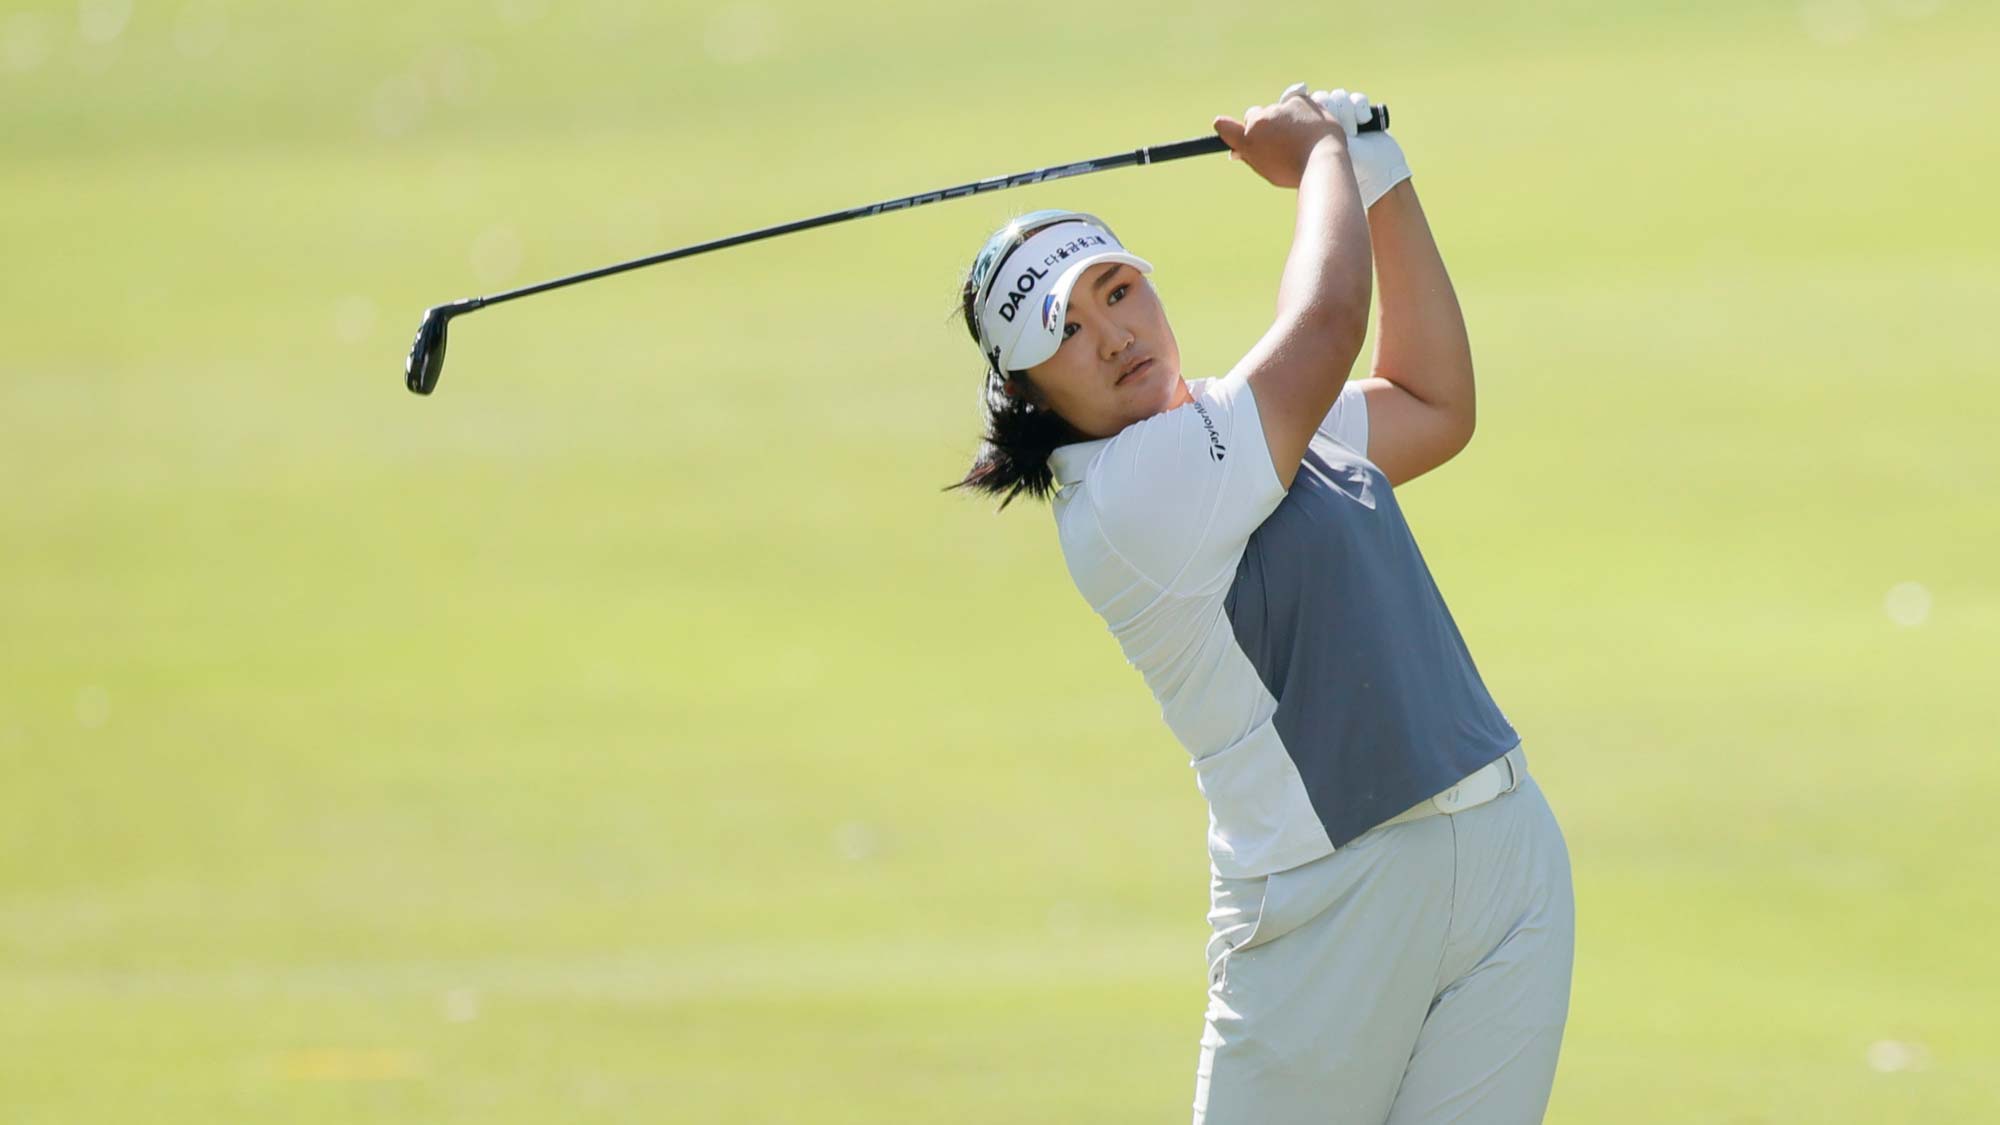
(633, 732)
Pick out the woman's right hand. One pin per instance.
(1276, 140)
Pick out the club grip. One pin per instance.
(1378, 121)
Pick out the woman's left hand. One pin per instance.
(1378, 160)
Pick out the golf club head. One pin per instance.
(426, 362)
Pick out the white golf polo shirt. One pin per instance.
(1294, 639)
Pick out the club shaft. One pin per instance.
(1152, 154)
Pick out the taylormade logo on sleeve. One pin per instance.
(1216, 450)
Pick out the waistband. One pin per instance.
(1501, 775)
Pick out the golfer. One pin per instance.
(1390, 897)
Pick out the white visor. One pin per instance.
(1027, 299)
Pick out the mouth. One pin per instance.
(1133, 370)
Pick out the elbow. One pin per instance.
(1464, 420)
(1448, 397)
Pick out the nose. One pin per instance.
(1125, 338)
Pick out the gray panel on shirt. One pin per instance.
(1379, 704)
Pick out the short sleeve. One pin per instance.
(1178, 494)
(1347, 422)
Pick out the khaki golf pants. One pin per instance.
(1419, 975)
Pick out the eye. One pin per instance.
(1070, 329)
(1117, 294)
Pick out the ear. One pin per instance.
(1022, 389)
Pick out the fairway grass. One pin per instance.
(633, 731)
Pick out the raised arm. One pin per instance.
(1420, 397)
(1299, 366)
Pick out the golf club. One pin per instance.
(426, 360)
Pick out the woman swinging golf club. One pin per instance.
(1390, 893)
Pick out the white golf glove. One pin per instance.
(1378, 159)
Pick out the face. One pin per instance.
(1118, 362)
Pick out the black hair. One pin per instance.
(1021, 430)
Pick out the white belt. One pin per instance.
(1502, 775)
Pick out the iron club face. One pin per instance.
(426, 362)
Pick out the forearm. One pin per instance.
(1420, 341)
(1324, 290)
